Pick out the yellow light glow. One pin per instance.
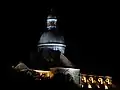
(100, 80)
(82, 86)
(84, 79)
(106, 87)
(45, 73)
(108, 81)
(91, 79)
(89, 86)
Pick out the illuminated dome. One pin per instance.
(51, 38)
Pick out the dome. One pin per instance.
(51, 37)
(52, 40)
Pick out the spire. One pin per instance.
(51, 20)
(52, 13)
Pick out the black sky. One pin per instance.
(88, 30)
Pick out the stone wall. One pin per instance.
(74, 73)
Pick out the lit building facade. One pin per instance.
(52, 40)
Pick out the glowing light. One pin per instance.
(108, 81)
(52, 44)
(84, 79)
(106, 87)
(91, 79)
(51, 23)
(100, 80)
(45, 73)
(82, 86)
(50, 20)
(51, 26)
(89, 86)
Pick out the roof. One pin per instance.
(51, 37)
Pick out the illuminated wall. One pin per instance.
(84, 80)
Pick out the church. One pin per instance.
(50, 58)
(50, 54)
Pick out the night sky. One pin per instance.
(88, 30)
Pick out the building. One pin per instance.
(51, 40)
(52, 48)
